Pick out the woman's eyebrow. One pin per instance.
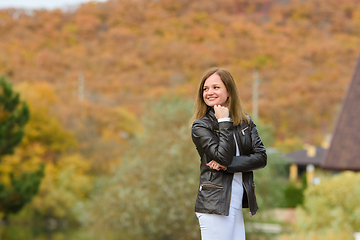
(212, 85)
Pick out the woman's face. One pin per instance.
(214, 91)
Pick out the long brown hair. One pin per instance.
(237, 113)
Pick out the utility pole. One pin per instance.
(81, 86)
(255, 95)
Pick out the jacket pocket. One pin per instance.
(243, 130)
(209, 186)
(210, 197)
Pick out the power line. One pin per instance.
(81, 86)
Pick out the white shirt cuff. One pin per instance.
(224, 120)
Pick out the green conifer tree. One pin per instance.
(20, 191)
(14, 114)
(13, 117)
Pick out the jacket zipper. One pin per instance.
(243, 130)
(209, 185)
(247, 195)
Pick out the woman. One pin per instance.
(230, 149)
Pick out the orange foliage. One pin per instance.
(132, 51)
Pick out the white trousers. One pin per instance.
(219, 227)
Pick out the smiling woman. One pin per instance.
(230, 149)
(38, 4)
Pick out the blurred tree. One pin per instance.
(20, 191)
(267, 133)
(66, 173)
(289, 144)
(66, 183)
(14, 114)
(152, 193)
(22, 187)
(102, 132)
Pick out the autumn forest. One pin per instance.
(132, 51)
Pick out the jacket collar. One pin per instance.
(210, 109)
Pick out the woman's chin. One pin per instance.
(212, 104)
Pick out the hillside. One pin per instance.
(131, 51)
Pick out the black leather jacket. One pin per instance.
(215, 141)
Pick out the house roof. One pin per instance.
(344, 150)
(304, 157)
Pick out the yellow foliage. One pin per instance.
(65, 183)
(43, 128)
(289, 144)
(71, 28)
(38, 95)
(67, 179)
(24, 160)
(127, 121)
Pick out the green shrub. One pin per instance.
(271, 182)
(293, 195)
(331, 206)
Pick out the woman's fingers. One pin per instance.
(214, 165)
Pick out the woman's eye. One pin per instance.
(216, 87)
(204, 89)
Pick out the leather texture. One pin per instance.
(215, 141)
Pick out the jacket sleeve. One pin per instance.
(219, 149)
(254, 161)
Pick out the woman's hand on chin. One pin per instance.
(221, 112)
